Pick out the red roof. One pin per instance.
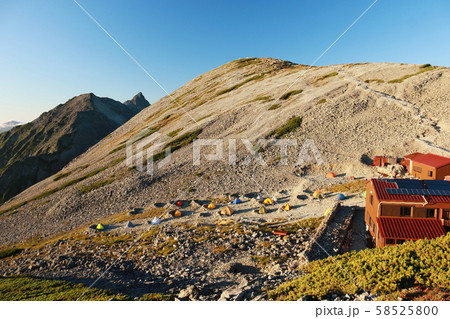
(413, 155)
(432, 160)
(410, 228)
(380, 191)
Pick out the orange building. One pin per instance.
(405, 209)
(427, 166)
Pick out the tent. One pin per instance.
(236, 201)
(268, 201)
(262, 210)
(155, 221)
(130, 224)
(286, 207)
(211, 206)
(318, 194)
(226, 210)
(100, 227)
(340, 197)
(330, 175)
(179, 203)
(177, 213)
(329, 210)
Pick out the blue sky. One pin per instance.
(51, 51)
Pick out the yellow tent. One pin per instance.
(211, 206)
(226, 210)
(318, 194)
(100, 227)
(286, 207)
(262, 210)
(268, 201)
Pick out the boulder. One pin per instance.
(191, 293)
(232, 293)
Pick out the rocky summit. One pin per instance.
(39, 149)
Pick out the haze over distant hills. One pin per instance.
(8, 125)
(36, 150)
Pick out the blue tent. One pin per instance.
(340, 197)
(236, 201)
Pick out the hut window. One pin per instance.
(430, 173)
(400, 241)
(430, 213)
(446, 214)
(405, 211)
(390, 241)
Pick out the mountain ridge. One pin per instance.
(345, 109)
(47, 144)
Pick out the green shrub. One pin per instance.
(96, 185)
(174, 132)
(157, 156)
(380, 271)
(423, 68)
(121, 147)
(15, 288)
(236, 86)
(329, 75)
(374, 80)
(261, 98)
(245, 61)
(156, 297)
(9, 252)
(117, 161)
(274, 107)
(204, 117)
(183, 140)
(144, 134)
(61, 176)
(291, 125)
(321, 101)
(287, 95)
(13, 208)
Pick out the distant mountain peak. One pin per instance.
(138, 100)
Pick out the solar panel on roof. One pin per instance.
(415, 191)
(409, 183)
(437, 184)
(405, 183)
(397, 191)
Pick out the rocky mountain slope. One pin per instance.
(8, 125)
(351, 112)
(32, 152)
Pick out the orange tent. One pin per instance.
(331, 175)
(211, 206)
(268, 201)
(286, 207)
(177, 213)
